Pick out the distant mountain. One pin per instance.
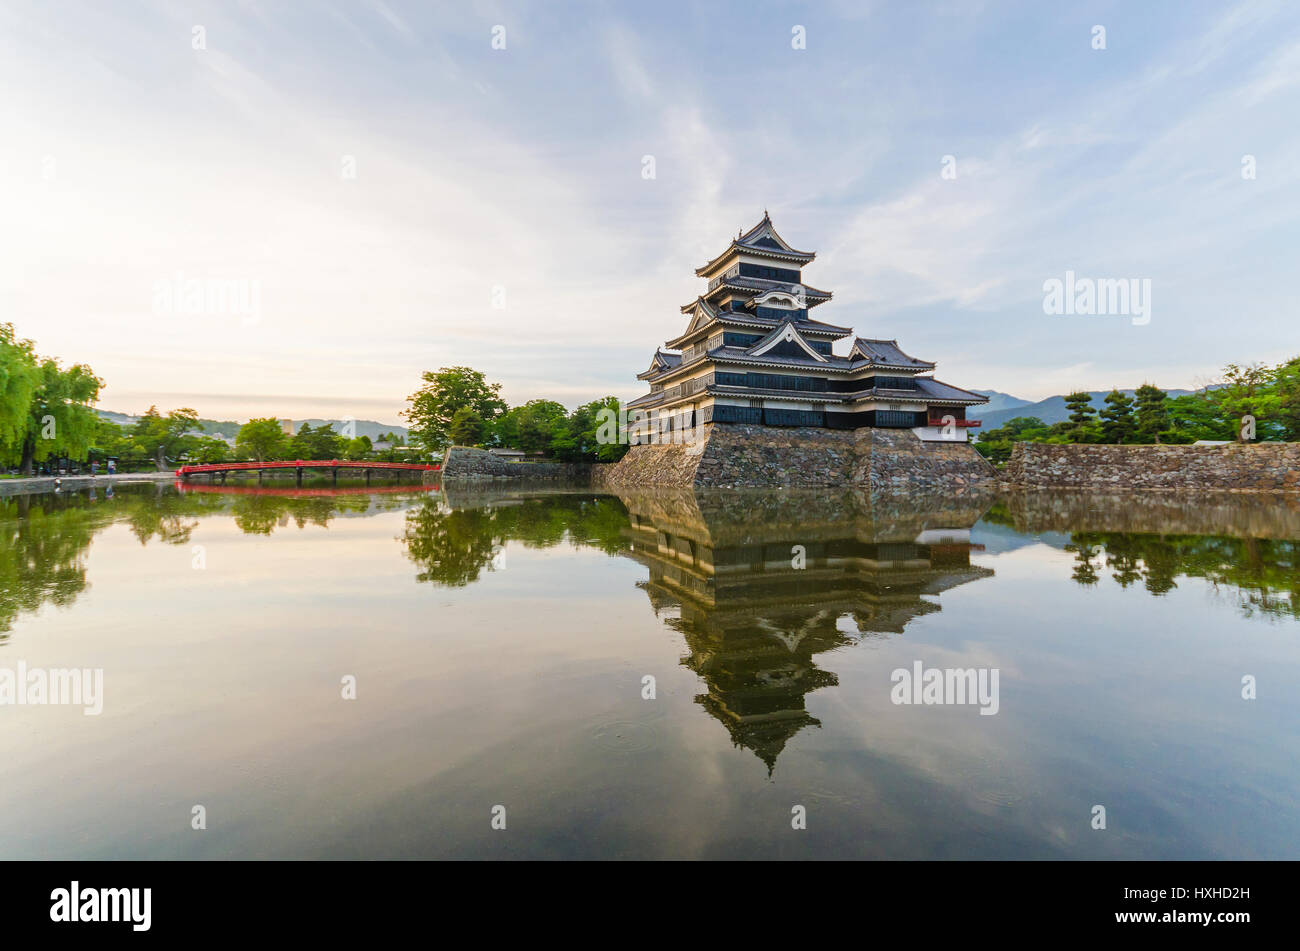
(1050, 410)
(213, 427)
(120, 418)
(999, 401)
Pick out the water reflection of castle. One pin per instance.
(763, 583)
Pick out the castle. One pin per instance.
(752, 354)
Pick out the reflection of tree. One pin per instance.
(1242, 548)
(44, 538)
(163, 514)
(1123, 558)
(454, 546)
(1263, 574)
(1085, 572)
(42, 558)
(260, 514)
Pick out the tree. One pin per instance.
(1082, 414)
(209, 449)
(357, 448)
(319, 443)
(569, 440)
(1246, 391)
(263, 439)
(466, 427)
(434, 405)
(61, 417)
(1286, 384)
(19, 378)
(580, 439)
(504, 430)
(163, 436)
(539, 422)
(996, 444)
(1117, 424)
(1195, 416)
(1152, 416)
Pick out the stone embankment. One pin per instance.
(463, 464)
(23, 486)
(736, 455)
(1255, 467)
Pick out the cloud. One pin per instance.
(499, 216)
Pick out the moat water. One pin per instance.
(667, 674)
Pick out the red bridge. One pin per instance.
(222, 469)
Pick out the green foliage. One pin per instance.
(1082, 425)
(467, 427)
(163, 436)
(207, 450)
(262, 439)
(319, 443)
(434, 405)
(357, 448)
(19, 379)
(61, 417)
(539, 422)
(1271, 395)
(577, 438)
(1152, 415)
(453, 547)
(46, 411)
(1081, 409)
(1259, 573)
(458, 405)
(995, 444)
(1198, 416)
(1286, 387)
(587, 421)
(1117, 424)
(1247, 391)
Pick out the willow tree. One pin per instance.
(46, 411)
(18, 380)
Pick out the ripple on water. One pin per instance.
(627, 735)
(993, 782)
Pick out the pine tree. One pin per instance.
(1117, 418)
(1081, 414)
(1152, 415)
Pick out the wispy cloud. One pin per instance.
(409, 197)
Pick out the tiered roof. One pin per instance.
(660, 364)
(886, 354)
(786, 337)
(762, 241)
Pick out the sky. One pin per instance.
(526, 188)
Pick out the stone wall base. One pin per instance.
(1254, 467)
(465, 464)
(733, 455)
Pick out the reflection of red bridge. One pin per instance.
(287, 493)
(222, 469)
